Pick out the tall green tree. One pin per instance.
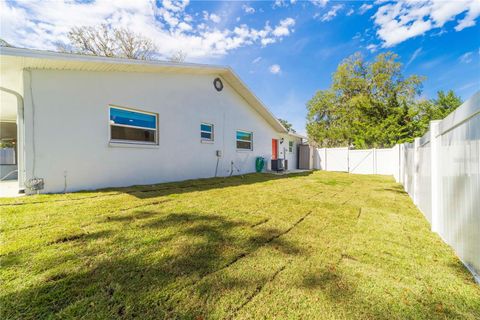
(437, 108)
(287, 125)
(372, 104)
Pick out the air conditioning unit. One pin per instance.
(278, 165)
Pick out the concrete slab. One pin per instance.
(9, 189)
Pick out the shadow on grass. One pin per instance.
(141, 279)
(136, 215)
(165, 189)
(82, 236)
(363, 296)
(157, 190)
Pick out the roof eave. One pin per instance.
(225, 71)
(42, 54)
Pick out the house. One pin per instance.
(75, 122)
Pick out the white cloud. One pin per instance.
(279, 3)
(275, 69)
(256, 60)
(175, 6)
(414, 56)
(248, 9)
(372, 47)
(184, 26)
(319, 3)
(332, 13)
(403, 20)
(364, 8)
(468, 85)
(282, 3)
(439, 33)
(466, 57)
(350, 12)
(284, 28)
(211, 16)
(469, 20)
(214, 18)
(266, 41)
(32, 24)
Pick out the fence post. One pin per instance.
(416, 159)
(326, 167)
(348, 159)
(400, 164)
(435, 181)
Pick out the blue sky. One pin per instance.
(283, 50)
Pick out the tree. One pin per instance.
(287, 125)
(322, 120)
(4, 43)
(370, 104)
(178, 56)
(440, 107)
(102, 40)
(437, 108)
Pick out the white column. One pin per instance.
(396, 166)
(20, 143)
(348, 159)
(326, 159)
(416, 158)
(434, 165)
(401, 170)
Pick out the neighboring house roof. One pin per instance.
(37, 59)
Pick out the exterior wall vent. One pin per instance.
(218, 84)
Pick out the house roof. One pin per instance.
(38, 59)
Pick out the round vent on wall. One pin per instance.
(218, 84)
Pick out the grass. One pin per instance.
(315, 245)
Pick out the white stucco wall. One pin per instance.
(70, 129)
(284, 153)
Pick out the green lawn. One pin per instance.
(316, 245)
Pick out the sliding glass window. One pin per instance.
(133, 126)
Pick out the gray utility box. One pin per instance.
(279, 165)
(305, 157)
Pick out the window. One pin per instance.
(206, 132)
(290, 146)
(244, 140)
(129, 126)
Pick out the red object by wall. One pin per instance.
(274, 149)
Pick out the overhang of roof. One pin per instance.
(296, 135)
(38, 59)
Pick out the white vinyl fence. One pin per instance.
(440, 171)
(369, 161)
